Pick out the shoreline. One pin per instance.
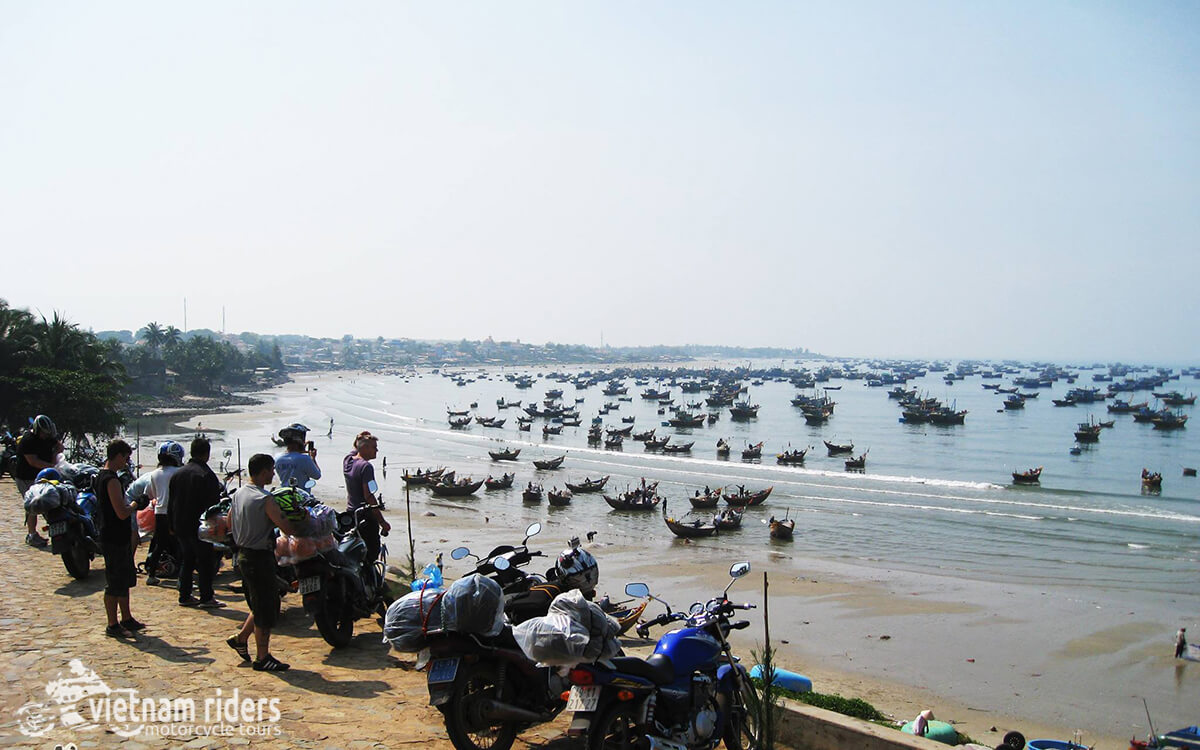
(972, 651)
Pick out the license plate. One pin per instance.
(58, 529)
(310, 585)
(443, 670)
(583, 698)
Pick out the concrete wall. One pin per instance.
(804, 727)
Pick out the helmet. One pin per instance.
(49, 475)
(294, 431)
(577, 569)
(292, 501)
(172, 450)
(44, 426)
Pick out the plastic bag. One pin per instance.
(410, 617)
(574, 631)
(474, 604)
(430, 578)
(145, 519)
(47, 496)
(214, 529)
(290, 550)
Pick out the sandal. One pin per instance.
(270, 664)
(241, 647)
(132, 625)
(117, 631)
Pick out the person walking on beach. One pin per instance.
(37, 449)
(296, 466)
(1181, 643)
(193, 489)
(360, 493)
(116, 542)
(253, 517)
(170, 459)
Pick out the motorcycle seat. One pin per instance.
(657, 668)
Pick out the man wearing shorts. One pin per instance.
(253, 517)
(116, 540)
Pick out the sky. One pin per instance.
(899, 179)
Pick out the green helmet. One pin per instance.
(291, 501)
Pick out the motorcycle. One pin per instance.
(503, 565)
(691, 694)
(341, 585)
(72, 525)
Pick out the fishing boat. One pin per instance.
(657, 444)
(548, 429)
(729, 519)
(689, 529)
(625, 615)
(623, 432)
(744, 499)
(614, 441)
(678, 447)
(686, 419)
(1088, 432)
(1015, 401)
(1033, 476)
(423, 477)
(793, 457)
(456, 489)
(857, 464)
(1065, 402)
(835, 449)
(532, 493)
(460, 423)
(1151, 481)
(1168, 420)
(706, 499)
(508, 454)
(549, 463)
(723, 447)
(752, 452)
(559, 498)
(588, 485)
(782, 528)
(503, 483)
(634, 500)
(743, 411)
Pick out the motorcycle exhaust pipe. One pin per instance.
(493, 709)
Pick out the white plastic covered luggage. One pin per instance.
(572, 632)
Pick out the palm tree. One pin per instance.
(172, 336)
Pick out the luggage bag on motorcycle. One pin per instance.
(472, 604)
(573, 631)
(44, 497)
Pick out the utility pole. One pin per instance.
(185, 314)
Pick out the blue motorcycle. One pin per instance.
(690, 694)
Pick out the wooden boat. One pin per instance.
(634, 500)
(626, 616)
(1189, 471)
(454, 413)
(792, 457)
(679, 447)
(1151, 481)
(1108, 425)
(642, 437)
(594, 436)
(532, 493)
(628, 420)
(1033, 476)
(558, 497)
(752, 452)
(745, 499)
(686, 419)
(723, 447)
(614, 441)
(703, 500)
(782, 528)
(1167, 420)
(460, 423)
(456, 489)
(588, 485)
(551, 429)
(1064, 401)
(549, 463)
(1015, 401)
(424, 477)
(743, 410)
(857, 464)
(729, 519)
(655, 445)
(623, 432)
(1088, 432)
(690, 530)
(834, 449)
(503, 483)
(524, 426)
(508, 454)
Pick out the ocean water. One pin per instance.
(931, 500)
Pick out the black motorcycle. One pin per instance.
(504, 566)
(73, 524)
(341, 585)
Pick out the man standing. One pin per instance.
(116, 541)
(194, 489)
(37, 449)
(253, 518)
(297, 466)
(360, 493)
(170, 460)
(1181, 643)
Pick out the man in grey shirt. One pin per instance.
(253, 517)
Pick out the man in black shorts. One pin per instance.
(116, 541)
(253, 518)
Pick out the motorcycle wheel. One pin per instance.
(77, 559)
(616, 728)
(465, 724)
(335, 620)
(742, 731)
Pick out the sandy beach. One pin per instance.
(988, 657)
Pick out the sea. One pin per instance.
(931, 499)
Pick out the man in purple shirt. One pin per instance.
(360, 492)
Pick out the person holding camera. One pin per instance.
(116, 542)
(299, 463)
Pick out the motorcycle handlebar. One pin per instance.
(740, 625)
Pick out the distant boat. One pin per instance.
(508, 454)
(834, 448)
(782, 528)
(503, 483)
(1033, 476)
(550, 463)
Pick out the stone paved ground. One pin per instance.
(361, 697)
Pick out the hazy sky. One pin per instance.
(895, 178)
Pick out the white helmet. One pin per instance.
(577, 569)
(43, 427)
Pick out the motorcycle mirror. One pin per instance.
(501, 563)
(310, 484)
(534, 529)
(739, 569)
(637, 589)
(227, 453)
(697, 608)
(459, 553)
